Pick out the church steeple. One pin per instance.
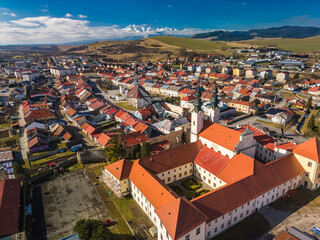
(198, 103)
(214, 98)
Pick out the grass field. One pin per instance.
(124, 105)
(51, 158)
(191, 43)
(295, 45)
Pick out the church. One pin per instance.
(224, 160)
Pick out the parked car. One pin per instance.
(316, 230)
(107, 222)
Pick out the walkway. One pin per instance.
(23, 134)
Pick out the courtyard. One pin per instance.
(190, 187)
(65, 200)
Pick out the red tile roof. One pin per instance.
(222, 136)
(9, 206)
(180, 217)
(120, 169)
(309, 149)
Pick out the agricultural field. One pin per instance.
(295, 45)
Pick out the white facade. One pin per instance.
(196, 125)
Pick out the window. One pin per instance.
(222, 226)
(307, 174)
(241, 215)
(215, 229)
(247, 212)
(169, 179)
(190, 170)
(198, 231)
(309, 164)
(208, 234)
(169, 172)
(222, 217)
(185, 173)
(235, 218)
(209, 224)
(319, 175)
(180, 174)
(187, 237)
(167, 234)
(209, 181)
(161, 237)
(190, 164)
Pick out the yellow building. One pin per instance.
(238, 72)
(308, 154)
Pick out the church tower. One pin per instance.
(197, 117)
(214, 111)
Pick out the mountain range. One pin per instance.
(275, 32)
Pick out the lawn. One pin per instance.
(5, 125)
(308, 132)
(269, 123)
(51, 158)
(125, 106)
(287, 95)
(75, 167)
(250, 228)
(191, 184)
(301, 198)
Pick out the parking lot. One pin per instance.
(68, 199)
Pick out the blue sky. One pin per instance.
(21, 20)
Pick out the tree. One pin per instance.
(145, 149)
(311, 123)
(296, 76)
(137, 151)
(17, 170)
(266, 77)
(285, 126)
(91, 229)
(309, 103)
(116, 151)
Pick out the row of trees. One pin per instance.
(91, 229)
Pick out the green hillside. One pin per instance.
(295, 45)
(191, 43)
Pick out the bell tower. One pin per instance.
(197, 117)
(214, 111)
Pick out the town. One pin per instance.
(188, 148)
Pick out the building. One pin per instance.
(251, 73)
(9, 207)
(138, 97)
(238, 72)
(282, 77)
(242, 106)
(223, 159)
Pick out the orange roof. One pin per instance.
(140, 127)
(222, 136)
(103, 139)
(266, 177)
(180, 217)
(309, 149)
(70, 112)
(239, 167)
(153, 188)
(286, 146)
(120, 169)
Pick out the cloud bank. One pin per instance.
(52, 30)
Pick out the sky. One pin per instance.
(63, 21)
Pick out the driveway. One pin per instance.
(23, 134)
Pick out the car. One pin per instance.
(107, 222)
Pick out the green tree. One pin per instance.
(309, 103)
(17, 170)
(311, 123)
(116, 151)
(137, 152)
(296, 76)
(91, 229)
(145, 149)
(266, 77)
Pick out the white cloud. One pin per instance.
(68, 15)
(9, 14)
(46, 29)
(44, 10)
(244, 3)
(82, 16)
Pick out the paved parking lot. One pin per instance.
(68, 199)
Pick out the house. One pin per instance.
(238, 72)
(138, 97)
(243, 106)
(187, 102)
(143, 114)
(6, 160)
(266, 74)
(282, 77)
(279, 115)
(314, 91)
(251, 73)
